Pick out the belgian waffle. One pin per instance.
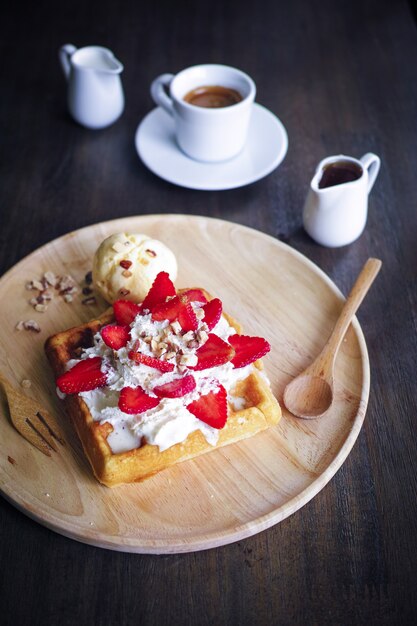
(261, 411)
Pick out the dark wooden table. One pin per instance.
(342, 76)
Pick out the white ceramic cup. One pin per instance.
(207, 134)
(336, 215)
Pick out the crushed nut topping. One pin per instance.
(32, 325)
(127, 273)
(150, 252)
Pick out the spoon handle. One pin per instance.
(354, 299)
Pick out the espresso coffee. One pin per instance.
(213, 97)
(338, 173)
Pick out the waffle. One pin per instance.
(262, 411)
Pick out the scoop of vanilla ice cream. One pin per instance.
(126, 264)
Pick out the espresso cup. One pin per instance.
(204, 133)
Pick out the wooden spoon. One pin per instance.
(310, 394)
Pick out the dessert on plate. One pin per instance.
(151, 384)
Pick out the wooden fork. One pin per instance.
(31, 420)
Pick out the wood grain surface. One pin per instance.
(233, 492)
(342, 77)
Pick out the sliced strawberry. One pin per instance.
(150, 361)
(194, 295)
(176, 388)
(167, 310)
(187, 318)
(212, 353)
(84, 376)
(211, 408)
(248, 349)
(134, 400)
(115, 337)
(162, 287)
(125, 311)
(212, 312)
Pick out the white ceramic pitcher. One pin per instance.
(336, 215)
(95, 93)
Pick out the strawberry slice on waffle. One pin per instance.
(248, 349)
(134, 400)
(213, 353)
(86, 375)
(211, 408)
(176, 388)
(115, 336)
(162, 288)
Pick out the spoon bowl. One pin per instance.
(310, 394)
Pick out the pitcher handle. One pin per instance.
(65, 52)
(158, 92)
(372, 163)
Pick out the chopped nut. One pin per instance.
(202, 336)
(154, 344)
(26, 383)
(189, 359)
(148, 339)
(193, 344)
(32, 325)
(199, 313)
(117, 247)
(29, 285)
(89, 277)
(181, 368)
(66, 284)
(169, 355)
(50, 278)
(124, 292)
(150, 252)
(127, 273)
(20, 325)
(204, 327)
(37, 285)
(68, 297)
(125, 263)
(144, 261)
(89, 301)
(189, 336)
(176, 327)
(33, 301)
(41, 308)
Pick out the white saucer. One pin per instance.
(266, 147)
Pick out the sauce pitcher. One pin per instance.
(95, 93)
(336, 207)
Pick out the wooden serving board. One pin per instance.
(233, 492)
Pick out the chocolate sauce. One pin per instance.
(338, 173)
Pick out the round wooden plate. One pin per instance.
(233, 492)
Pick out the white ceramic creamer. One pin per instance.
(336, 207)
(95, 93)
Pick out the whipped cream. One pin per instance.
(170, 422)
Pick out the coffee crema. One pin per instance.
(213, 97)
(338, 173)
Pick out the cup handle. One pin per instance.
(372, 163)
(65, 53)
(158, 92)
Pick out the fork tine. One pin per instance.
(42, 431)
(28, 431)
(54, 433)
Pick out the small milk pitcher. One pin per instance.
(336, 207)
(95, 93)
